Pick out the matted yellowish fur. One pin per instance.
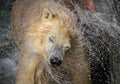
(38, 26)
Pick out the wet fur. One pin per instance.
(32, 67)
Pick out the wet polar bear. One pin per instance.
(51, 51)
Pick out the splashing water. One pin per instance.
(102, 37)
(98, 30)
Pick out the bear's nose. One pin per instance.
(55, 61)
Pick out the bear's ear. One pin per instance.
(46, 13)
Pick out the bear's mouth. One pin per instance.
(53, 66)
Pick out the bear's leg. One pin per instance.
(26, 70)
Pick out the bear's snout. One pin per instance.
(55, 62)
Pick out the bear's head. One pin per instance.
(51, 35)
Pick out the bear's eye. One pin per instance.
(51, 39)
(66, 47)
